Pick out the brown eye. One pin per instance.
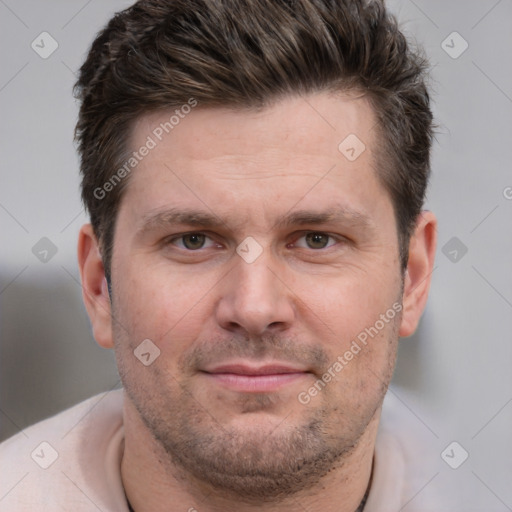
(317, 240)
(193, 241)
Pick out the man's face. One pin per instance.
(245, 334)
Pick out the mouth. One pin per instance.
(255, 379)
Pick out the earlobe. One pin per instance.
(94, 286)
(418, 276)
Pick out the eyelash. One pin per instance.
(173, 240)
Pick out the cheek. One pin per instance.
(161, 306)
(356, 321)
(348, 305)
(361, 367)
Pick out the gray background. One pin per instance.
(454, 375)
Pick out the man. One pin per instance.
(255, 172)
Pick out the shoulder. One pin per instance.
(68, 461)
(406, 461)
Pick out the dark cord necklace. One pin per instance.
(359, 509)
(361, 505)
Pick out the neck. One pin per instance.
(152, 481)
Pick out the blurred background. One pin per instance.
(453, 376)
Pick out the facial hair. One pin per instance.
(253, 463)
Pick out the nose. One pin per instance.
(255, 299)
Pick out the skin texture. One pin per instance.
(191, 439)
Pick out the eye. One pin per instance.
(315, 240)
(193, 241)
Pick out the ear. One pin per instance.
(94, 286)
(422, 248)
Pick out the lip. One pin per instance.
(255, 379)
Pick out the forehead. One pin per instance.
(320, 121)
(297, 150)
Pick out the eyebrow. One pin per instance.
(340, 214)
(174, 216)
(208, 220)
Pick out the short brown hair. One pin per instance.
(159, 54)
